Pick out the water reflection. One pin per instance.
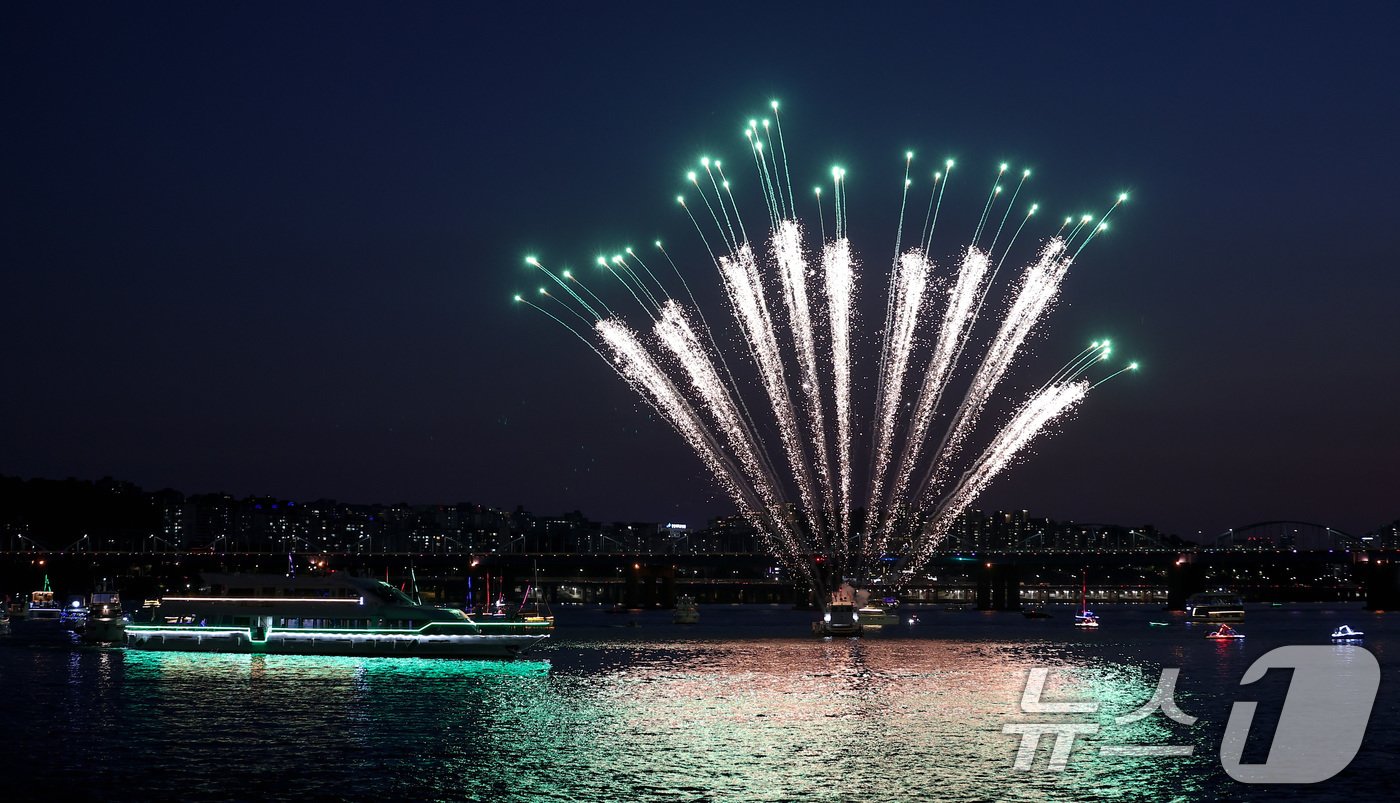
(735, 712)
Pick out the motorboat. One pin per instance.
(687, 612)
(878, 615)
(1224, 633)
(329, 614)
(73, 614)
(1036, 613)
(1345, 633)
(105, 622)
(1216, 606)
(840, 618)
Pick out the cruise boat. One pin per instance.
(1345, 633)
(687, 612)
(1217, 606)
(42, 605)
(332, 614)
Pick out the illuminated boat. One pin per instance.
(1085, 617)
(73, 615)
(1345, 633)
(332, 614)
(878, 614)
(42, 606)
(1224, 633)
(840, 617)
(687, 612)
(105, 621)
(1215, 607)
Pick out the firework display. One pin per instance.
(786, 448)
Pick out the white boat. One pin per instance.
(1216, 606)
(1345, 633)
(687, 612)
(878, 615)
(840, 617)
(332, 614)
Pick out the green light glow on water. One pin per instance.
(151, 664)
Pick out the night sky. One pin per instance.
(271, 250)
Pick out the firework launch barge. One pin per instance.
(324, 615)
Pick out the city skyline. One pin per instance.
(490, 521)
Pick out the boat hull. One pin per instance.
(104, 630)
(1220, 615)
(365, 644)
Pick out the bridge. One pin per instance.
(1264, 561)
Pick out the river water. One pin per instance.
(744, 706)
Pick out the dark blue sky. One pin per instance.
(271, 250)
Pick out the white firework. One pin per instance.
(796, 318)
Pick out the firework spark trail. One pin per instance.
(719, 352)
(839, 270)
(1039, 286)
(958, 317)
(675, 331)
(792, 274)
(635, 364)
(908, 291)
(1032, 419)
(745, 288)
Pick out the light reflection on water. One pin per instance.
(735, 709)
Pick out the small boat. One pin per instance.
(840, 617)
(74, 614)
(1218, 606)
(1224, 633)
(1345, 633)
(1035, 613)
(687, 612)
(1157, 624)
(1085, 617)
(878, 615)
